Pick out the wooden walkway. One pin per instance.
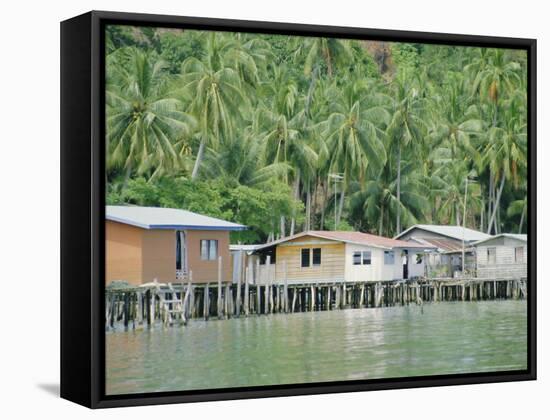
(176, 304)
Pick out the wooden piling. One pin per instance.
(246, 289)
(220, 288)
(285, 288)
(206, 301)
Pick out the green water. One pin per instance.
(461, 337)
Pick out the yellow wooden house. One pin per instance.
(341, 256)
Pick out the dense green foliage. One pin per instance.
(285, 134)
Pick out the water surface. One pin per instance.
(440, 338)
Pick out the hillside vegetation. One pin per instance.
(285, 134)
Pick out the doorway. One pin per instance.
(181, 255)
(405, 259)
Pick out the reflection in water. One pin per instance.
(447, 338)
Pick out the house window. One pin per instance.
(305, 257)
(209, 249)
(518, 255)
(366, 257)
(389, 257)
(316, 256)
(357, 258)
(491, 255)
(419, 258)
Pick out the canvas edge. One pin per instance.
(89, 390)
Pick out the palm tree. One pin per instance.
(144, 122)
(242, 160)
(322, 51)
(353, 133)
(518, 207)
(449, 183)
(216, 93)
(406, 128)
(494, 74)
(283, 128)
(454, 118)
(249, 57)
(497, 75)
(330, 51)
(373, 203)
(506, 152)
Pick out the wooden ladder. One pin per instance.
(173, 309)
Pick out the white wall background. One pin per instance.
(29, 173)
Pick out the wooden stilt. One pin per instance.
(246, 289)
(220, 303)
(206, 301)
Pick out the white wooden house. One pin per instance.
(449, 243)
(502, 256)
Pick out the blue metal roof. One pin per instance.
(166, 218)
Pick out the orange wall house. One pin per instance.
(123, 253)
(148, 243)
(207, 270)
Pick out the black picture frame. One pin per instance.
(83, 209)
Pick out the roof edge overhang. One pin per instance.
(500, 235)
(174, 227)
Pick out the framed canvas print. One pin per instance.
(255, 209)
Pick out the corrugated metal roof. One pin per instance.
(359, 238)
(455, 232)
(442, 245)
(239, 247)
(518, 236)
(166, 218)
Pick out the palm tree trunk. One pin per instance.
(398, 217)
(497, 221)
(381, 226)
(481, 215)
(311, 89)
(314, 202)
(323, 206)
(308, 207)
(522, 216)
(340, 207)
(198, 160)
(496, 205)
(490, 198)
(127, 175)
(296, 197)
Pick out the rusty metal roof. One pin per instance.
(359, 238)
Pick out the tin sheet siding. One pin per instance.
(123, 253)
(332, 261)
(505, 266)
(416, 270)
